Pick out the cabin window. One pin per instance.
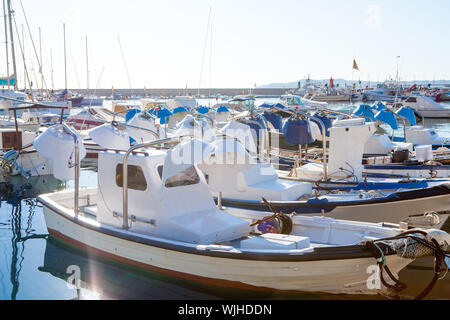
(411, 100)
(185, 178)
(136, 178)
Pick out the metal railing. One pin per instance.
(125, 173)
(74, 135)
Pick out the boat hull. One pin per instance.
(434, 114)
(393, 209)
(347, 274)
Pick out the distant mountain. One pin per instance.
(343, 83)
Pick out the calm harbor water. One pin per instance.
(34, 266)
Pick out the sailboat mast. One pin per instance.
(65, 59)
(24, 63)
(51, 68)
(13, 53)
(41, 64)
(6, 45)
(87, 66)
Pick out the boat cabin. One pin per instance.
(176, 206)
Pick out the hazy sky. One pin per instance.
(253, 41)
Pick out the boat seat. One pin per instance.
(205, 227)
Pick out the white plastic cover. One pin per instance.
(242, 132)
(140, 135)
(228, 159)
(198, 128)
(110, 137)
(185, 155)
(59, 146)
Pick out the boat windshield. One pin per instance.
(294, 101)
(185, 178)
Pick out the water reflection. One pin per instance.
(18, 191)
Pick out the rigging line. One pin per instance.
(210, 63)
(32, 42)
(204, 50)
(75, 68)
(126, 67)
(92, 98)
(23, 57)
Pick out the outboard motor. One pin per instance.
(8, 162)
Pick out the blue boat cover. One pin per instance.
(275, 119)
(297, 132)
(326, 121)
(272, 105)
(222, 109)
(179, 110)
(162, 113)
(203, 110)
(388, 118)
(366, 112)
(379, 106)
(408, 113)
(130, 114)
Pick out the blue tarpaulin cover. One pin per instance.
(222, 109)
(388, 118)
(130, 114)
(379, 106)
(275, 119)
(272, 105)
(366, 112)
(162, 113)
(408, 113)
(297, 132)
(179, 110)
(203, 110)
(325, 120)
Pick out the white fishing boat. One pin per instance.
(425, 107)
(294, 101)
(200, 242)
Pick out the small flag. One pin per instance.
(355, 66)
(255, 85)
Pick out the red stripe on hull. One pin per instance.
(180, 275)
